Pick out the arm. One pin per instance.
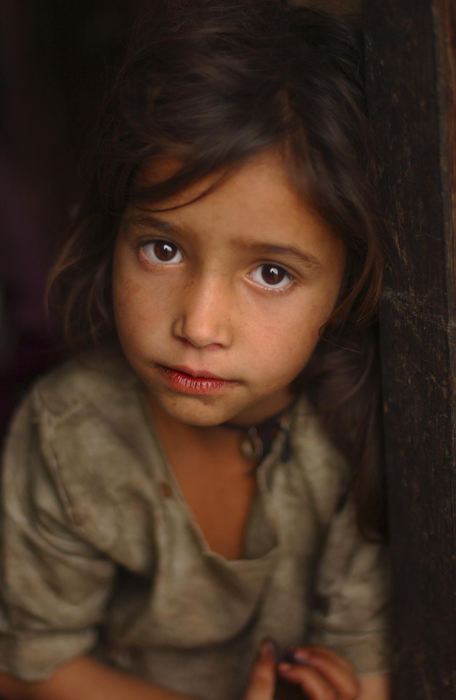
(88, 679)
(350, 612)
(93, 681)
(55, 584)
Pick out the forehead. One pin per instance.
(257, 180)
(253, 203)
(266, 165)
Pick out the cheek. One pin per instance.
(284, 338)
(299, 321)
(126, 293)
(126, 301)
(136, 296)
(282, 342)
(130, 309)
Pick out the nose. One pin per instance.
(204, 316)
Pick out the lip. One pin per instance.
(197, 373)
(189, 381)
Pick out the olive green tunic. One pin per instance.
(100, 554)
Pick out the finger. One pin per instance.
(323, 678)
(309, 680)
(308, 653)
(341, 678)
(263, 675)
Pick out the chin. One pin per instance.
(202, 413)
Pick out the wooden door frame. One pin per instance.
(411, 83)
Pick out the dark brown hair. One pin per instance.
(213, 83)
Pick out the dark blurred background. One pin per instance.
(55, 59)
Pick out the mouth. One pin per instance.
(189, 381)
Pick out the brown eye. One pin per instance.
(162, 252)
(272, 276)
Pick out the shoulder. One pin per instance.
(77, 395)
(87, 411)
(76, 413)
(312, 444)
(83, 433)
(308, 432)
(93, 377)
(77, 419)
(316, 462)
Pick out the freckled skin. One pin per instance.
(209, 308)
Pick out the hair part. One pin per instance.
(212, 84)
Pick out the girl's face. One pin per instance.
(218, 303)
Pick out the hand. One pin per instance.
(320, 673)
(263, 674)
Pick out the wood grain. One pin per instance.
(411, 92)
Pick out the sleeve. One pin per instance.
(54, 585)
(351, 612)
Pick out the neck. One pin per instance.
(260, 413)
(196, 446)
(249, 433)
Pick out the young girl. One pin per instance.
(182, 505)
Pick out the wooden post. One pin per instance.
(411, 73)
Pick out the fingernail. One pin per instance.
(268, 647)
(301, 657)
(285, 667)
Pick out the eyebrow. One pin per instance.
(260, 248)
(159, 224)
(272, 249)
